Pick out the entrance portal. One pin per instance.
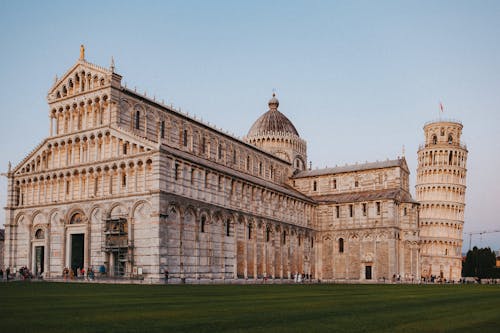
(39, 260)
(368, 272)
(77, 246)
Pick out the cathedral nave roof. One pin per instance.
(400, 162)
(392, 194)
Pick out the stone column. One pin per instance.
(245, 251)
(46, 260)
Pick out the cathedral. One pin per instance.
(133, 188)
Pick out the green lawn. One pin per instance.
(73, 307)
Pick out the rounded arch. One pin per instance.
(38, 218)
(21, 219)
(217, 216)
(55, 217)
(117, 209)
(141, 208)
(94, 210)
(173, 211)
(190, 211)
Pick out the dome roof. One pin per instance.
(272, 121)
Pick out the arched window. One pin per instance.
(228, 228)
(137, 119)
(219, 151)
(248, 163)
(450, 158)
(284, 237)
(249, 231)
(315, 185)
(162, 129)
(39, 234)
(176, 171)
(434, 139)
(202, 223)
(185, 138)
(341, 245)
(203, 145)
(268, 234)
(450, 139)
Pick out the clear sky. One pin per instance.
(357, 78)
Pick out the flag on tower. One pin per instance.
(441, 107)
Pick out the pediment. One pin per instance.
(32, 160)
(81, 77)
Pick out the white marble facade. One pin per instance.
(132, 185)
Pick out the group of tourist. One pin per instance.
(302, 277)
(7, 274)
(78, 273)
(24, 274)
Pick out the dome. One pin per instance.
(272, 121)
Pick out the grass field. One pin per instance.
(73, 307)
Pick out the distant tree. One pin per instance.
(479, 263)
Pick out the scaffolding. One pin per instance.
(116, 244)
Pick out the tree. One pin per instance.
(479, 263)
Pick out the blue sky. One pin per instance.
(357, 78)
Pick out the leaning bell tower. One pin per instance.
(440, 189)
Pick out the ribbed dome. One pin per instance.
(272, 121)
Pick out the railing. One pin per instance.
(443, 120)
(451, 145)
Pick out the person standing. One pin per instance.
(166, 276)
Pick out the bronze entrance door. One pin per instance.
(368, 272)
(77, 246)
(39, 260)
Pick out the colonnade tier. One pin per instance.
(114, 179)
(81, 149)
(286, 139)
(66, 118)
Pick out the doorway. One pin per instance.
(39, 260)
(368, 272)
(77, 246)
